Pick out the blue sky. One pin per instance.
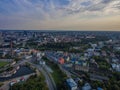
(60, 14)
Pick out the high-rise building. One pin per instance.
(11, 47)
(1, 38)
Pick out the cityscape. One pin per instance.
(59, 60)
(59, 44)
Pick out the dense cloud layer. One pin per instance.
(42, 12)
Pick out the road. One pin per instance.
(64, 70)
(7, 83)
(49, 80)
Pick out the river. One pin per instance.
(23, 70)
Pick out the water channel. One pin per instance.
(23, 70)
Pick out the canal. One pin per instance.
(23, 70)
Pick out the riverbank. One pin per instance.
(9, 73)
(58, 76)
(23, 70)
(34, 82)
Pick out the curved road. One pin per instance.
(50, 82)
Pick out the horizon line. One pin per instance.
(57, 30)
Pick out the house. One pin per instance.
(22, 51)
(96, 54)
(61, 60)
(87, 87)
(116, 67)
(81, 66)
(104, 53)
(99, 88)
(28, 56)
(95, 77)
(67, 58)
(83, 58)
(93, 45)
(101, 44)
(73, 60)
(1, 52)
(115, 60)
(71, 84)
(42, 62)
(90, 52)
(77, 80)
(97, 49)
(68, 65)
(117, 48)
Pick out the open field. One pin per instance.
(3, 63)
(58, 76)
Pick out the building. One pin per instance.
(99, 88)
(81, 66)
(117, 48)
(101, 44)
(23, 51)
(42, 63)
(1, 39)
(67, 58)
(61, 60)
(86, 87)
(28, 56)
(116, 67)
(71, 84)
(94, 45)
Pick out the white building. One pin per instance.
(71, 84)
(86, 87)
(116, 67)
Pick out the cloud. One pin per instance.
(50, 8)
(82, 6)
(45, 14)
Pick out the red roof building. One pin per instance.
(61, 60)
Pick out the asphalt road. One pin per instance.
(49, 80)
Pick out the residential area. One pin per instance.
(59, 60)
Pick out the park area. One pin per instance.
(2, 63)
(58, 76)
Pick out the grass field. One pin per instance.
(58, 76)
(3, 63)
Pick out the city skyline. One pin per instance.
(60, 15)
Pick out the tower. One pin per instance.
(11, 48)
(1, 38)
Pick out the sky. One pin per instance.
(60, 14)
